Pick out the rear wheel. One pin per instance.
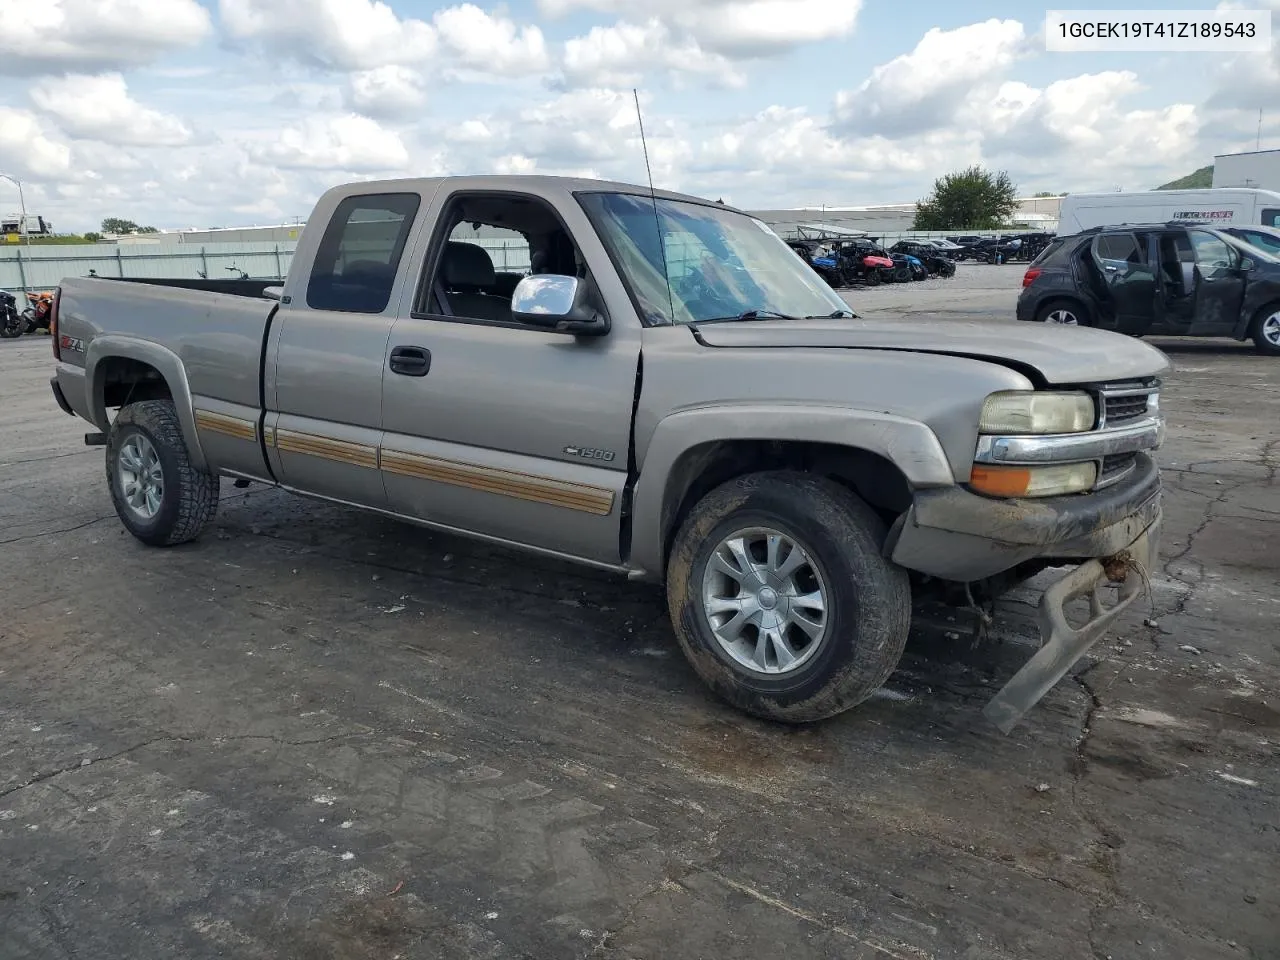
(1063, 312)
(1266, 330)
(159, 496)
(781, 597)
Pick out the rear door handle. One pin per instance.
(410, 361)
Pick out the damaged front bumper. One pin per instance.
(1112, 536)
(1062, 643)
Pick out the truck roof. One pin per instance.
(536, 184)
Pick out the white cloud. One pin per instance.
(920, 91)
(347, 143)
(49, 36)
(365, 35)
(739, 28)
(100, 108)
(337, 34)
(490, 44)
(388, 91)
(621, 54)
(1079, 128)
(26, 147)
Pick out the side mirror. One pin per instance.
(273, 293)
(559, 303)
(1246, 265)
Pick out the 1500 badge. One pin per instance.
(590, 453)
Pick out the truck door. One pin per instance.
(1131, 304)
(492, 426)
(327, 350)
(1219, 285)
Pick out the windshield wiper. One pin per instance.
(834, 315)
(751, 315)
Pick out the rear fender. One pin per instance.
(164, 360)
(908, 444)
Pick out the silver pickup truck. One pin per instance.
(651, 384)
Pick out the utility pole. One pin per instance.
(22, 202)
(1258, 144)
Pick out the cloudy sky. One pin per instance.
(219, 112)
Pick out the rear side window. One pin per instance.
(355, 267)
(1121, 247)
(1050, 253)
(1271, 218)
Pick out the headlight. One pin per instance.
(1033, 411)
(1050, 481)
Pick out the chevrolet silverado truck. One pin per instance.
(654, 385)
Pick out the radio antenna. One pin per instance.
(657, 221)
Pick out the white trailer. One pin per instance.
(1080, 211)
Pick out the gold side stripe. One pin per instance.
(308, 444)
(269, 436)
(522, 486)
(228, 426)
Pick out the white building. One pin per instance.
(1259, 169)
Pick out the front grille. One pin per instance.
(1116, 465)
(1118, 411)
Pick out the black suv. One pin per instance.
(1175, 279)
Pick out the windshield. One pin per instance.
(1244, 247)
(713, 264)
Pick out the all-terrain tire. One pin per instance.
(869, 605)
(190, 497)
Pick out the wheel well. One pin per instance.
(704, 467)
(125, 380)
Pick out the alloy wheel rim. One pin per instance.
(766, 601)
(1064, 317)
(1271, 329)
(141, 476)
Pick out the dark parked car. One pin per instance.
(1173, 279)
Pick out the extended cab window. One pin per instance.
(490, 242)
(355, 266)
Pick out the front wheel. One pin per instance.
(782, 600)
(159, 496)
(10, 326)
(1266, 330)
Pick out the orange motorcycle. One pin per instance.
(36, 316)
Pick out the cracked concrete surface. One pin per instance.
(317, 735)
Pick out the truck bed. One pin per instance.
(234, 287)
(217, 328)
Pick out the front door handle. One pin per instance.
(410, 361)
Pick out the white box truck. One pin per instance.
(1221, 206)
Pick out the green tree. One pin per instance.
(117, 225)
(1040, 194)
(92, 237)
(147, 230)
(974, 198)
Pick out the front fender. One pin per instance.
(165, 361)
(908, 444)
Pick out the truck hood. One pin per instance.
(1049, 352)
